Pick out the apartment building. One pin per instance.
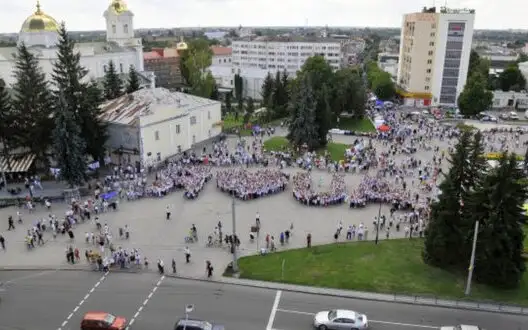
(221, 67)
(434, 55)
(253, 58)
(165, 63)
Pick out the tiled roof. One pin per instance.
(151, 55)
(221, 51)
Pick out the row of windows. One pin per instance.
(192, 121)
(125, 29)
(121, 68)
(284, 45)
(448, 99)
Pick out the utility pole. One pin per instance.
(472, 261)
(378, 224)
(233, 215)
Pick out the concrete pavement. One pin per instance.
(53, 300)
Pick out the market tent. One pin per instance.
(384, 128)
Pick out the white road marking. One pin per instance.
(370, 321)
(82, 301)
(274, 310)
(145, 302)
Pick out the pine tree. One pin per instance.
(228, 104)
(133, 80)
(250, 108)
(32, 104)
(498, 205)
(445, 238)
(525, 162)
(8, 121)
(83, 98)
(68, 145)
(303, 126)
(267, 91)
(113, 86)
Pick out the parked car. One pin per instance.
(513, 116)
(504, 116)
(188, 324)
(102, 321)
(489, 118)
(338, 319)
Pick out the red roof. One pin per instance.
(151, 55)
(221, 51)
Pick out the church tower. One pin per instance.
(120, 29)
(119, 23)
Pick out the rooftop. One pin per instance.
(310, 39)
(128, 108)
(151, 56)
(221, 51)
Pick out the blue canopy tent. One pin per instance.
(109, 195)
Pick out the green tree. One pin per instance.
(321, 76)
(349, 93)
(215, 94)
(475, 97)
(83, 98)
(250, 109)
(32, 104)
(497, 205)
(68, 145)
(445, 239)
(512, 79)
(239, 87)
(268, 87)
(383, 86)
(200, 79)
(280, 95)
(303, 126)
(195, 47)
(113, 85)
(8, 121)
(525, 162)
(133, 80)
(228, 105)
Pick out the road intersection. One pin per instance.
(58, 299)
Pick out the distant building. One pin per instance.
(389, 63)
(434, 55)
(165, 63)
(218, 35)
(152, 125)
(254, 58)
(499, 62)
(510, 100)
(222, 67)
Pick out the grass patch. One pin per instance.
(393, 266)
(276, 143)
(357, 125)
(336, 150)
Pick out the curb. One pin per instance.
(329, 292)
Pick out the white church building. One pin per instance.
(40, 33)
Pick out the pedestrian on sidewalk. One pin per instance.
(168, 212)
(2, 243)
(208, 269)
(309, 240)
(10, 223)
(173, 266)
(161, 267)
(187, 252)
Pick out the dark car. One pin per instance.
(187, 324)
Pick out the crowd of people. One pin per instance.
(245, 184)
(304, 192)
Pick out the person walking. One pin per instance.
(10, 223)
(209, 269)
(187, 253)
(173, 266)
(161, 267)
(168, 212)
(2, 243)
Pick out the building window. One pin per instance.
(433, 26)
(114, 29)
(156, 135)
(193, 120)
(432, 34)
(105, 68)
(121, 67)
(431, 43)
(178, 129)
(209, 133)
(428, 71)
(158, 156)
(430, 53)
(429, 61)
(125, 28)
(426, 88)
(209, 115)
(193, 139)
(179, 149)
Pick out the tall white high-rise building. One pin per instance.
(434, 55)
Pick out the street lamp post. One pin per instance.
(233, 215)
(188, 309)
(378, 224)
(472, 261)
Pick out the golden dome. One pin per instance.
(118, 6)
(182, 45)
(39, 22)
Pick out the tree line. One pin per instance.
(471, 191)
(380, 82)
(58, 119)
(477, 95)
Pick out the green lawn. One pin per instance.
(393, 266)
(358, 125)
(336, 150)
(276, 143)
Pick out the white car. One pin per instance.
(513, 116)
(461, 327)
(338, 319)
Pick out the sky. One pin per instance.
(87, 14)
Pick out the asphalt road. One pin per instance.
(52, 300)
